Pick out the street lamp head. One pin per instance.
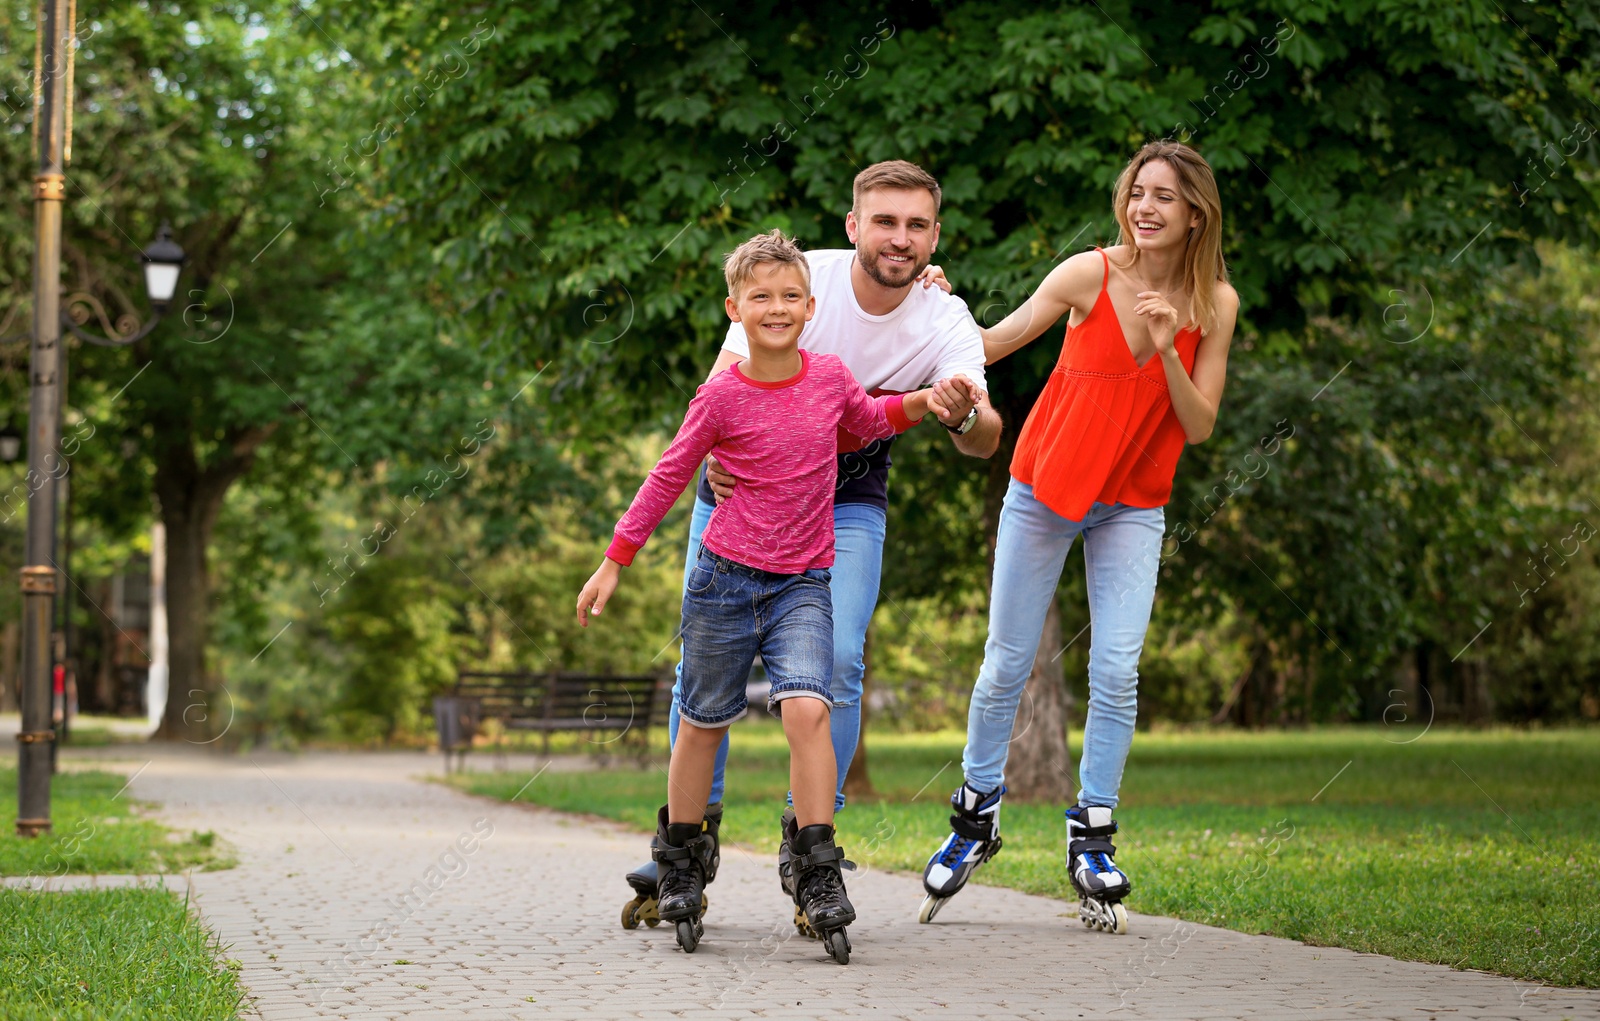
(162, 261)
(10, 445)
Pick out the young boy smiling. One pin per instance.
(760, 585)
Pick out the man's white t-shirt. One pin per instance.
(929, 337)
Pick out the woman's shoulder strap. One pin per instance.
(1106, 279)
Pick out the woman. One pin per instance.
(1141, 373)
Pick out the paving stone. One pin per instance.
(349, 863)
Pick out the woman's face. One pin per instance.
(1158, 212)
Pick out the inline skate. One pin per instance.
(642, 908)
(1100, 884)
(813, 875)
(974, 839)
(682, 853)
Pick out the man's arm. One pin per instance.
(983, 439)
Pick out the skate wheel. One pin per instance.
(1119, 920)
(688, 935)
(652, 922)
(839, 946)
(630, 913)
(930, 907)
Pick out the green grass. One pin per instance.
(97, 828)
(108, 954)
(1476, 849)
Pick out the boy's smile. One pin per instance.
(774, 305)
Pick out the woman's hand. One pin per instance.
(1161, 319)
(933, 276)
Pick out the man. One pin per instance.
(894, 335)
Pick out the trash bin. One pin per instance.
(456, 719)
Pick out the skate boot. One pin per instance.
(1100, 884)
(974, 839)
(642, 908)
(682, 853)
(789, 826)
(819, 887)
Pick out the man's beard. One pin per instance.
(871, 266)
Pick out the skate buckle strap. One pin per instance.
(673, 855)
(1079, 830)
(972, 829)
(826, 854)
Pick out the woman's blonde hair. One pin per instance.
(1203, 265)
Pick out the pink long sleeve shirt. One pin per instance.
(780, 440)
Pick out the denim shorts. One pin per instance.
(731, 613)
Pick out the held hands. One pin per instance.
(950, 400)
(1162, 320)
(597, 590)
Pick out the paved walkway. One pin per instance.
(363, 892)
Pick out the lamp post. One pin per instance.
(163, 260)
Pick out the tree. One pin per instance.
(597, 159)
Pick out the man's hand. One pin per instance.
(597, 590)
(933, 276)
(721, 482)
(957, 396)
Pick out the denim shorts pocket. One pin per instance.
(701, 577)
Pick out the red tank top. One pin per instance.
(1103, 430)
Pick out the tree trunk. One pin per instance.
(9, 640)
(1039, 768)
(857, 782)
(189, 518)
(191, 498)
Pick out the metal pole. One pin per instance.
(45, 463)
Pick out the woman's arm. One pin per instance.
(1073, 284)
(1195, 398)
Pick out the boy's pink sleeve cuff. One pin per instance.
(895, 408)
(621, 550)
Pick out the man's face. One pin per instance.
(894, 231)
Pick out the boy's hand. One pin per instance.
(721, 482)
(954, 398)
(597, 590)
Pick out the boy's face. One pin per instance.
(774, 305)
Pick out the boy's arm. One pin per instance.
(660, 491)
(597, 590)
(874, 418)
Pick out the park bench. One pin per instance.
(616, 709)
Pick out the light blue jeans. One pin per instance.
(1121, 554)
(858, 532)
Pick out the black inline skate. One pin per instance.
(974, 839)
(813, 875)
(1100, 884)
(682, 852)
(642, 908)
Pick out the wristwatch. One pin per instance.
(966, 423)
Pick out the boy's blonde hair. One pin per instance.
(740, 265)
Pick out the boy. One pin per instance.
(761, 581)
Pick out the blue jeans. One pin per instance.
(858, 531)
(1121, 554)
(731, 612)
